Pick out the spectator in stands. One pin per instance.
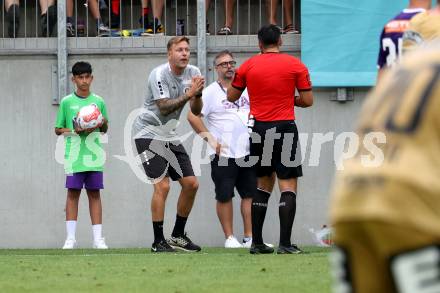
(229, 17)
(391, 37)
(288, 15)
(101, 28)
(115, 14)
(13, 17)
(48, 17)
(156, 27)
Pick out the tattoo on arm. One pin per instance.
(168, 106)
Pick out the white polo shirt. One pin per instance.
(227, 121)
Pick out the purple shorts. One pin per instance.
(89, 180)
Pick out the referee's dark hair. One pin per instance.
(269, 35)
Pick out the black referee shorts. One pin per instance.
(226, 175)
(278, 149)
(163, 158)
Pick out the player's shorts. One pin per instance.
(92, 180)
(284, 156)
(164, 159)
(226, 175)
(373, 256)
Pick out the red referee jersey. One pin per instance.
(271, 79)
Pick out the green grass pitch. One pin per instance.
(138, 270)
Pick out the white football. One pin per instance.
(89, 117)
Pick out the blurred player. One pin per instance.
(391, 37)
(387, 218)
(424, 27)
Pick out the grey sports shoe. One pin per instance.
(183, 243)
(161, 246)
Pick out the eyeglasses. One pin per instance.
(225, 64)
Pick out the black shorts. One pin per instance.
(278, 149)
(226, 175)
(163, 158)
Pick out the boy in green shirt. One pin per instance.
(84, 157)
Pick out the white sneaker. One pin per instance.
(248, 244)
(69, 244)
(100, 244)
(232, 242)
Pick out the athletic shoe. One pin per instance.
(69, 244)
(154, 29)
(248, 244)
(70, 30)
(291, 249)
(100, 244)
(289, 29)
(161, 246)
(207, 29)
(232, 242)
(260, 249)
(103, 30)
(225, 31)
(184, 243)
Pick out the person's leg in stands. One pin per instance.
(13, 16)
(144, 14)
(48, 16)
(94, 10)
(288, 18)
(272, 11)
(157, 13)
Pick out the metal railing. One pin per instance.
(135, 27)
(130, 18)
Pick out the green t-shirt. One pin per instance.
(83, 152)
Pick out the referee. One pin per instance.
(271, 79)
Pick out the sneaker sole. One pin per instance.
(288, 252)
(162, 251)
(151, 34)
(183, 249)
(259, 252)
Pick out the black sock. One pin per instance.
(287, 210)
(158, 231)
(179, 227)
(258, 211)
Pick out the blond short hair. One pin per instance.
(176, 40)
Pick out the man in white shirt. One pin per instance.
(227, 134)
